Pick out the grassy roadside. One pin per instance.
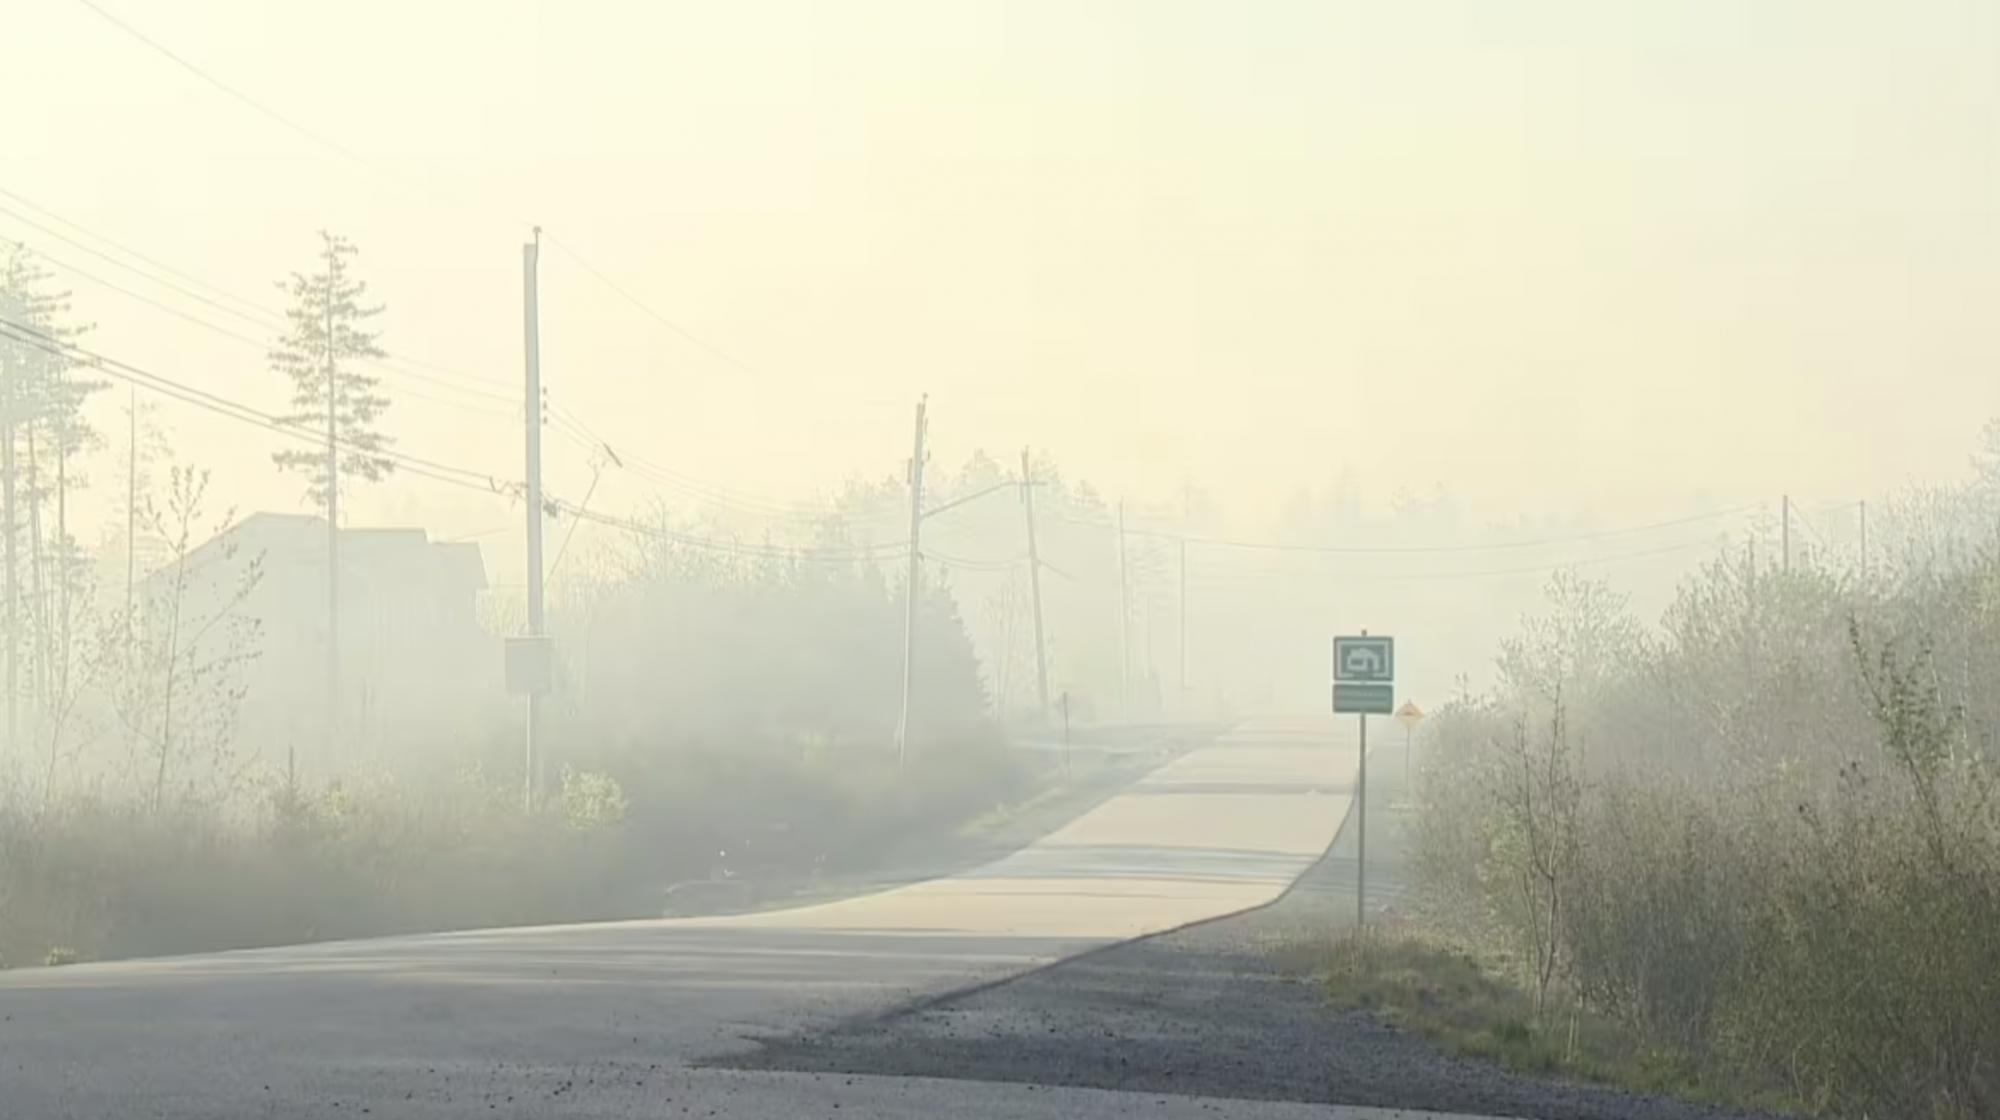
(1445, 982)
(1475, 1006)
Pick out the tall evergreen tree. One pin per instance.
(320, 355)
(42, 393)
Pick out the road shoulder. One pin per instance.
(1217, 1010)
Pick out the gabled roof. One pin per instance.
(298, 534)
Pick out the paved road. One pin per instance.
(613, 1020)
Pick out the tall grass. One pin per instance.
(1786, 867)
(721, 717)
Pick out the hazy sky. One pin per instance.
(1547, 252)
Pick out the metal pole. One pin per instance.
(1035, 588)
(530, 258)
(910, 611)
(1361, 832)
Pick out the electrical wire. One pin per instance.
(714, 351)
(258, 315)
(1414, 550)
(461, 477)
(1487, 573)
(265, 110)
(145, 379)
(844, 556)
(962, 564)
(359, 160)
(566, 421)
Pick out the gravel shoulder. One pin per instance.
(1206, 1011)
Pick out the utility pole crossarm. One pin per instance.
(972, 497)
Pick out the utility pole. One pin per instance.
(1361, 829)
(332, 528)
(1035, 586)
(9, 372)
(1750, 609)
(1864, 538)
(1069, 769)
(1187, 510)
(532, 412)
(131, 503)
(910, 594)
(1785, 533)
(1124, 619)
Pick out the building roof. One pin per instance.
(303, 537)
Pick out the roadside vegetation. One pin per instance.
(726, 707)
(1750, 854)
(686, 771)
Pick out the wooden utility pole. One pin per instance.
(534, 750)
(332, 523)
(9, 513)
(1035, 587)
(1069, 769)
(912, 591)
(1187, 510)
(1864, 539)
(1785, 533)
(131, 503)
(1124, 618)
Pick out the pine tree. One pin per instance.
(42, 393)
(328, 339)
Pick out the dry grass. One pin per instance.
(1476, 1006)
(107, 877)
(1777, 888)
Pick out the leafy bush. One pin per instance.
(723, 716)
(1785, 807)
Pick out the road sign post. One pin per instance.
(1409, 715)
(1364, 684)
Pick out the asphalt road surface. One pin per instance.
(631, 1019)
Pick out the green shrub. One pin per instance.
(1785, 880)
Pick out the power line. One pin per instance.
(1415, 550)
(412, 464)
(720, 497)
(347, 153)
(842, 556)
(253, 103)
(224, 406)
(259, 315)
(1494, 573)
(963, 564)
(635, 301)
(566, 420)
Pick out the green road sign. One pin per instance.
(1350, 698)
(1365, 659)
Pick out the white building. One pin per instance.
(419, 678)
